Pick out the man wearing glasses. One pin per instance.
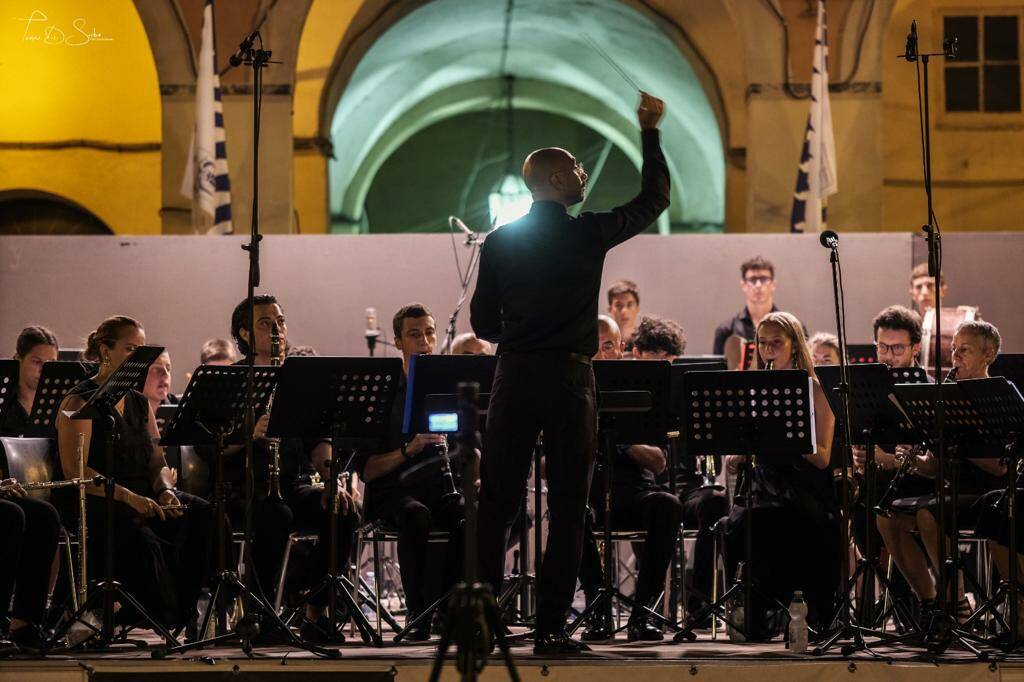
(758, 284)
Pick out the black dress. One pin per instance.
(165, 563)
(795, 540)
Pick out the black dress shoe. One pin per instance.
(640, 629)
(557, 644)
(421, 632)
(7, 648)
(28, 640)
(321, 631)
(598, 630)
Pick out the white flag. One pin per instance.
(206, 172)
(816, 178)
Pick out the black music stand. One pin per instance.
(348, 399)
(766, 413)
(860, 354)
(9, 372)
(1009, 365)
(56, 379)
(102, 405)
(210, 411)
(633, 407)
(432, 389)
(962, 430)
(1001, 407)
(875, 418)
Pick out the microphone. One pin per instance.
(372, 329)
(829, 239)
(239, 56)
(455, 223)
(910, 53)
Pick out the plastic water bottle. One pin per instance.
(798, 623)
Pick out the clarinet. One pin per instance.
(907, 465)
(274, 444)
(450, 490)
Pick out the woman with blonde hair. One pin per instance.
(795, 543)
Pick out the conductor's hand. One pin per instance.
(650, 111)
(260, 430)
(421, 441)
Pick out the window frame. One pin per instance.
(980, 118)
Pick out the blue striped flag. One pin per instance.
(206, 172)
(816, 177)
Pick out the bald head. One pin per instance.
(552, 174)
(609, 339)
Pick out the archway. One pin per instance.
(443, 59)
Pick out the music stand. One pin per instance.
(766, 413)
(1001, 407)
(1009, 365)
(963, 428)
(348, 399)
(875, 418)
(9, 373)
(102, 405)
(56, 379)
(633, 407)
(210, 411)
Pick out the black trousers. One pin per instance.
(28, 533)
(553, 393)
(414, 516)
(656, 512)
(301, 511)
(164, 564)
(702, 509)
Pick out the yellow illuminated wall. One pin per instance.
(81, 108)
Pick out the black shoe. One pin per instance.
(7, 648)
(28, 640)
(598, 630)
(321, 631)
(640, 629)
(557, 644)
(421, 632)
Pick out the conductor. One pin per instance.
(537, 297)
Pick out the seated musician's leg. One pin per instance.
(907, 554)
(659, 514)
(702, 509)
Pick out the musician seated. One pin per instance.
(218, 352)
(624, 308)
(411, 493)
(469, 344)
(157, 388)
(982, 482)
(795, 524)
(922, 288)
(161, 555)
(757, 281)
(35, 347)
(288, 501)
(897, 334)
(638, 502)
(824, 349)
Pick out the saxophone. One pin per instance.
(274, 444)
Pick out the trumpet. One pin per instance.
(274, 444)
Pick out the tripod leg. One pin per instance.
(498, 632)
(366, 631)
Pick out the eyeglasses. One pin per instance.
(894, 348)
(758, 281)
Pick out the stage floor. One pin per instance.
(716, 661)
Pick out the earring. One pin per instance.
(106, 361)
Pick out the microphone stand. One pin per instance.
(946, 591)
(845, 630)
(248, 627)
(472, 240)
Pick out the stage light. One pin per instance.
(509, 201)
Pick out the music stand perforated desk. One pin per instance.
(9, 372)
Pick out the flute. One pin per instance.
(49, 485)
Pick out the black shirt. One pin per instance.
(425, 484)
(740, 325)
(16, 421)
(540, 276)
